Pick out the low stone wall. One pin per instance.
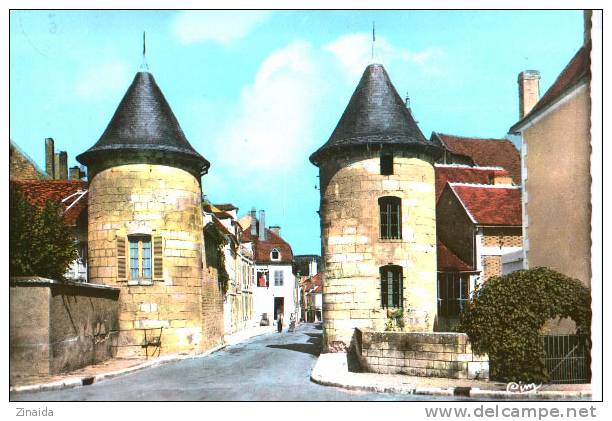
(428, 354)
(58, 327)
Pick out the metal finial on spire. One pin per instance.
(407, 100)
(373, 38)
(144, 65)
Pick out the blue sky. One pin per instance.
(257, 92)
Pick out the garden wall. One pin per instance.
(58, 327)
(427, 354)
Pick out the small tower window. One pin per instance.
(390, 208)
(391, 286)
(275, 255)
(386, 164)
(140, 257)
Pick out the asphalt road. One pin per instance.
(274, 367)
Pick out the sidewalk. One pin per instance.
(332, 370)
(119, 366)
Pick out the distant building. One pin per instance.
(72, 196)
(481, 152)
(276, 288)
(476, 225)
(238, 310)
(311, 298)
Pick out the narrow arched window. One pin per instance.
(390, 209)
(275, 254)
(391, 286)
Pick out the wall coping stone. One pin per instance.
(40, 281)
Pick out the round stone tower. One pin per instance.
(145, 221)
(378, 216)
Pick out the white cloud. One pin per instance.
(271, 128)
(223, 27)
(103, 80)
(290, 108)
(354, 53)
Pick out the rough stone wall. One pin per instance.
(212, 309)
(21, 168)
(353, 251)
(59, 327)
(152, 200)
(446, 355)
(491, 266)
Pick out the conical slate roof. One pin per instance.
(375, 115)
(143, 130)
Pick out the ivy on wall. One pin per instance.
(505, 315)
(40, 244)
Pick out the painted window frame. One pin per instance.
(272, 255)
(143, 244)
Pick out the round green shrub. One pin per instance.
(505, 315)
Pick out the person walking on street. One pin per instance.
(279, 322)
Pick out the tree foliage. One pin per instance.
(505, 315)
(40, 244)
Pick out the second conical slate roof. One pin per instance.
(144, 125)
(375, 114)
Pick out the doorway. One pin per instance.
(279, 306)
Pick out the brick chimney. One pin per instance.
(529, 91)
(49, 157)
(262, 225)
(63, 166)
(275, 229)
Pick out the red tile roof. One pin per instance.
(37, 192)
(490, 205)
(486, 152)
(465, 174)
(449, 261)
(312, 284)
(262, 249)
(576, 70)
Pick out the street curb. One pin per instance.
(337, 375)
(88, 380)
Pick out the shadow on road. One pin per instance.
(312, 346)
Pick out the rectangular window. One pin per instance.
(278, 278)
(386, 164)
(140, 257)
(262, 279)
(391, 286)
(390, 218)
(453, 293)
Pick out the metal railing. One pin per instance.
(567, 358)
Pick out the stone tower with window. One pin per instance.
(378, 216)
(145, 222)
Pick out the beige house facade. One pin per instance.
(556, 149)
